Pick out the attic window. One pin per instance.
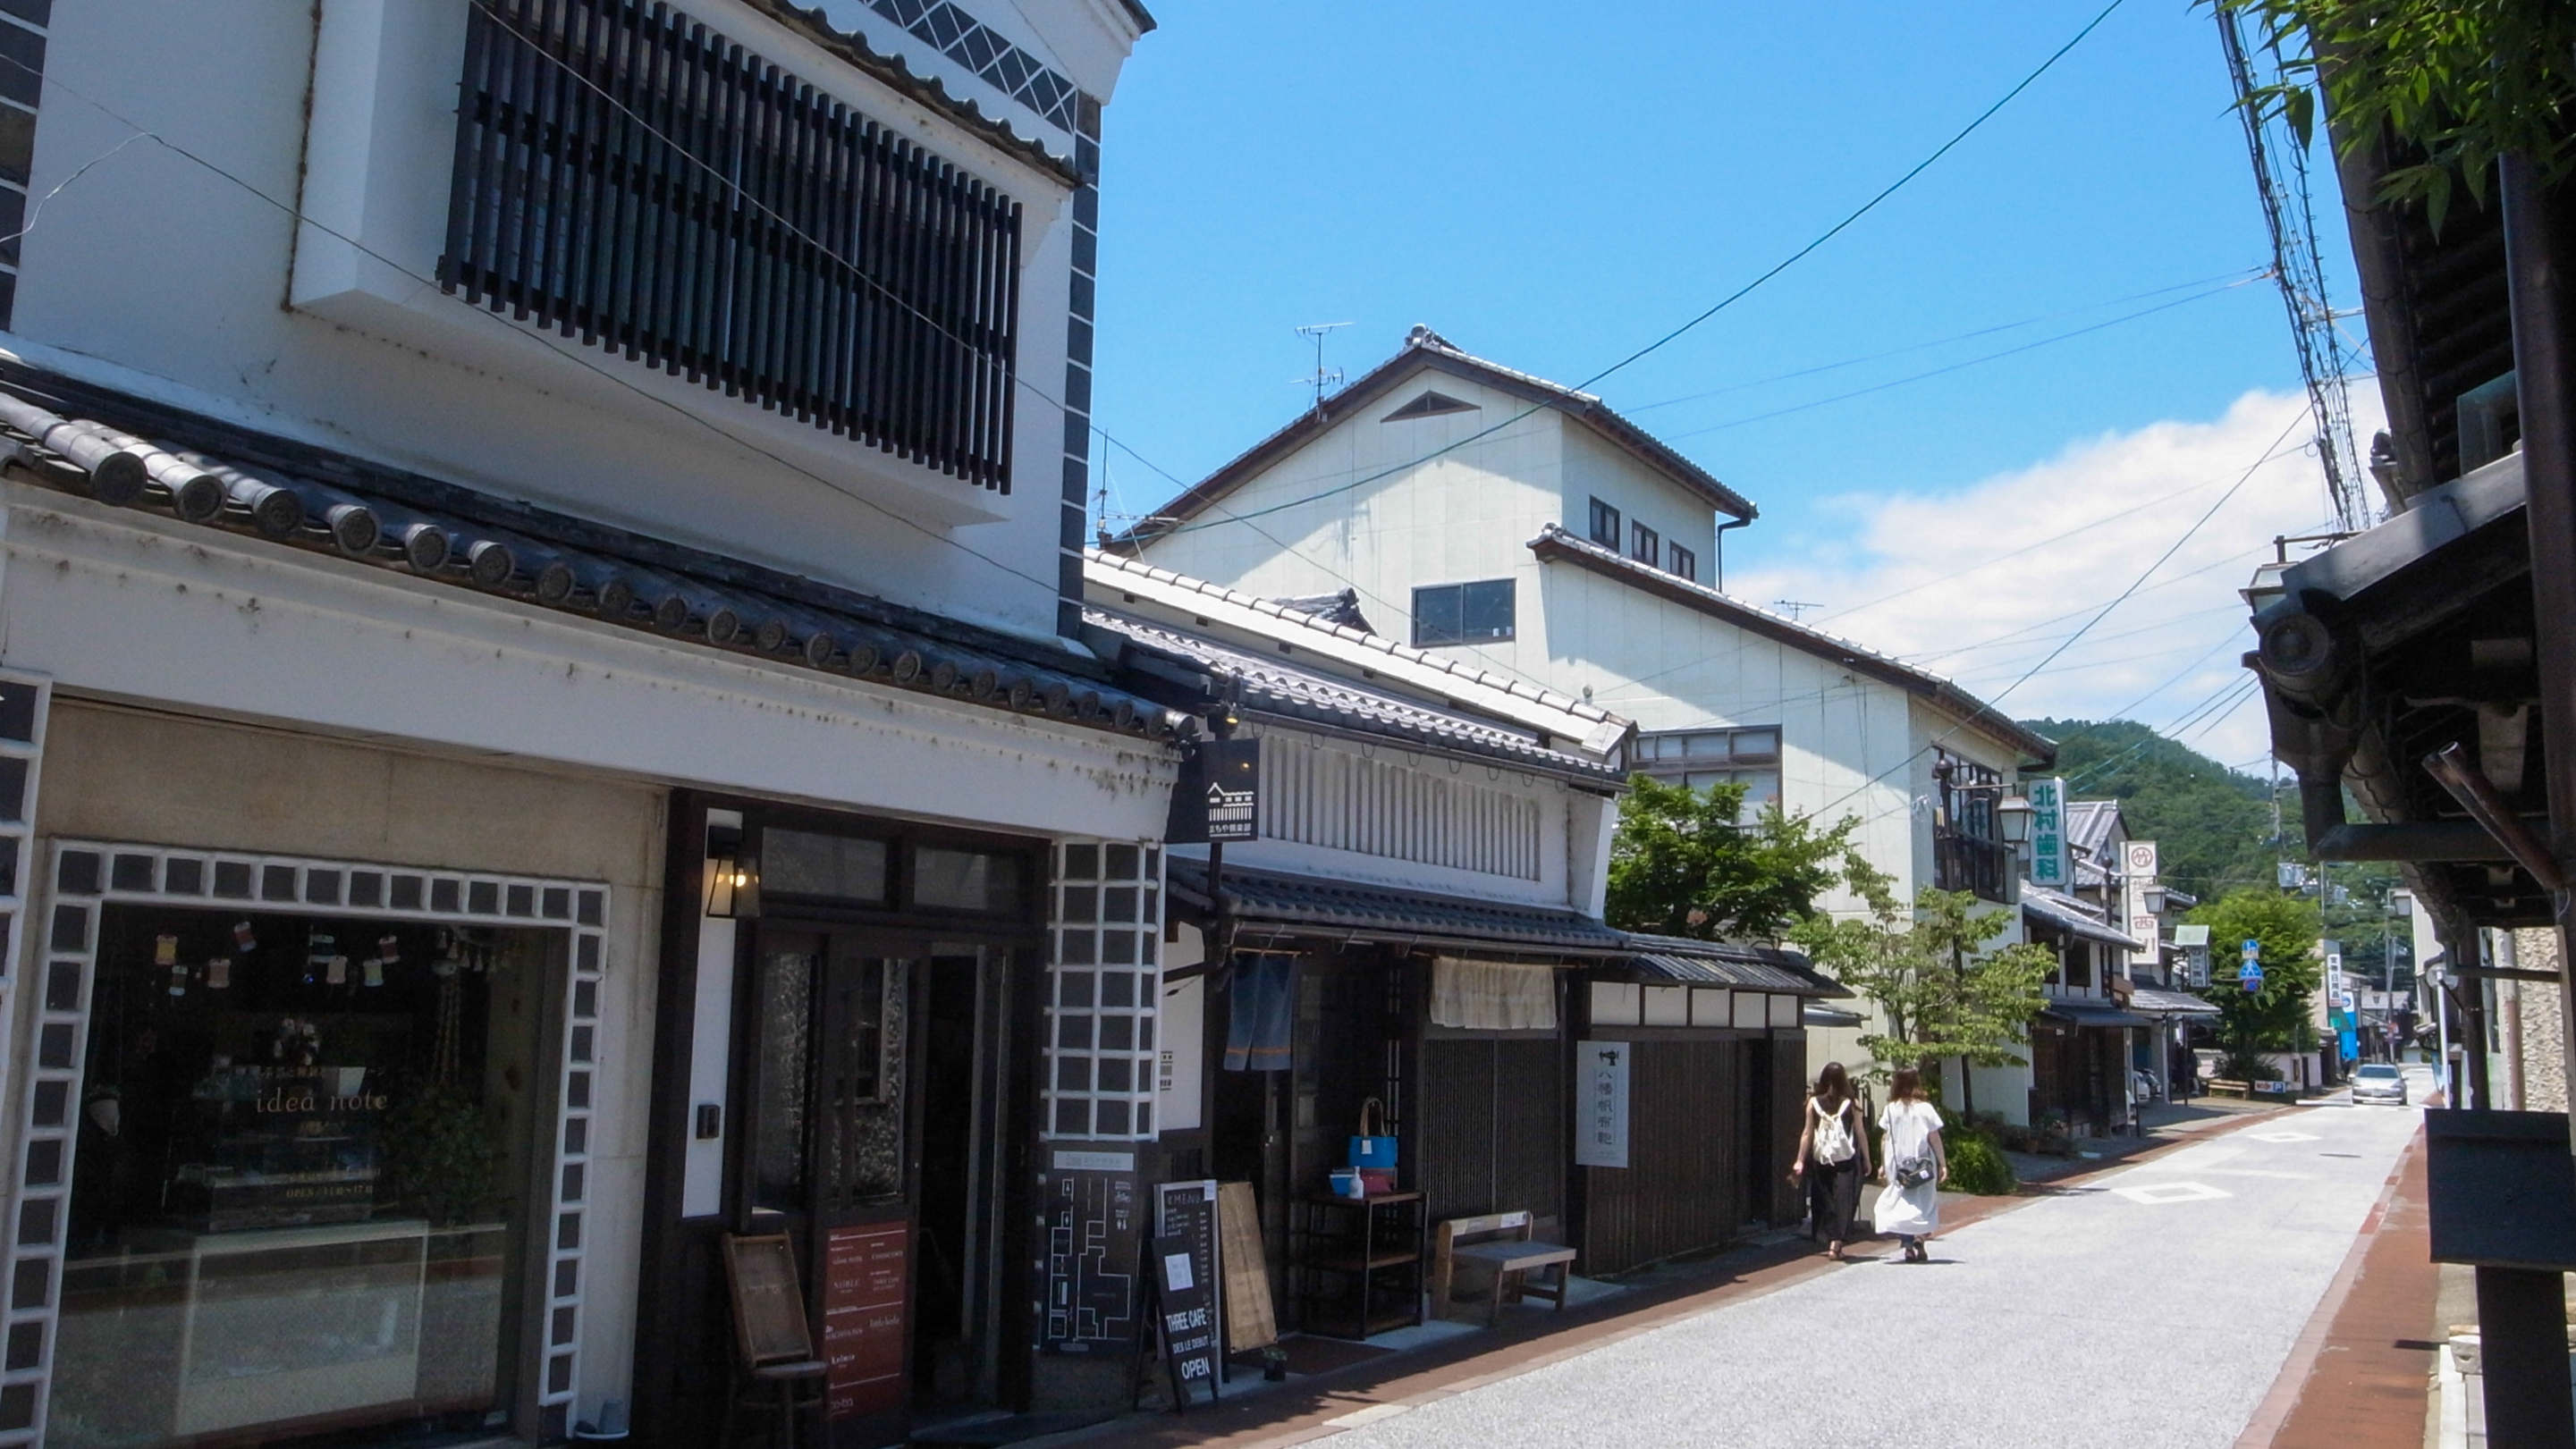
(1429, 405)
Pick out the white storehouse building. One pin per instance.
(1517, 524)
(542, 720)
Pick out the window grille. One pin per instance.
(627, 176)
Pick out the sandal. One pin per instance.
(1917, 1253)
(1834, 1252)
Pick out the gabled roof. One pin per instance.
(1427, 351)
(2075, 917)
(2088, 825)
(270, 492)
(1280, 690)
(1594, 731)
(1554, 544)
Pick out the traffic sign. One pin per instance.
(2253, 949)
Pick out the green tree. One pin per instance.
(2460, 82)
(1934, 975)
(1682, 863)
(2275, 1017)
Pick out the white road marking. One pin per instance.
(2165, 1192)
(2283, 1137)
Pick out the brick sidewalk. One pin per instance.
(2361, 1375)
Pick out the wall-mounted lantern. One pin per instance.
(2012, 816)
(733, 875)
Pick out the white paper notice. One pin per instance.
(1176, 1272)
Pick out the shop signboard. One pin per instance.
(1601, 1107)
(2051, 863)
(864, 1271)
(2139, 864)
(1218, 795)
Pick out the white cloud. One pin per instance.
(1980, 583)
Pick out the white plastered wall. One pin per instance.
(174, 279)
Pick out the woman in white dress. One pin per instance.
(1910, 1205)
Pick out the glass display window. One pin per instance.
(302, 1184)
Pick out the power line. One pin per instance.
(1739, 294)
(2105, 612)
(1968, 336)
(1961, 366)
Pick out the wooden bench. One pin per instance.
(1502, 1243)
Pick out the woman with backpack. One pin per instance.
(1910, 1205)
(1833, 1157)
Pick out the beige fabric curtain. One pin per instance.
(1492, 995)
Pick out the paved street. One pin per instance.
(2149, 1307)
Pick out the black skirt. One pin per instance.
(1833, 1195)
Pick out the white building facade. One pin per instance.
(1521, 527)
(539, 619)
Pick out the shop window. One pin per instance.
(305, 1150)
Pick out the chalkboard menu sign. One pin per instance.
(1185, 1213)
(864, 1271)
(1184, 1318)
(1090, 1240)
(768, 1302)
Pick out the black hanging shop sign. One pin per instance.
(1218, 797)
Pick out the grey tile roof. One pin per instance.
(2148, 1001)
(2088, 826)
(1286, 692)
(1425, 349)
(1717, 963)
(1343, 910)
(2092, 1013)
(2068, 914)
(206, 474)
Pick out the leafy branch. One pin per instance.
(2463, 82)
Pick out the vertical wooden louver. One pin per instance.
(629, 178)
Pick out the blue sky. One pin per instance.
(1551, 186)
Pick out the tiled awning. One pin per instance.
(128, 453)
(2091, 1013)
(2065, 913)
(1336, 910)
(2148, 1001)
(1678, 959)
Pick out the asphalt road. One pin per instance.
(2147, 1309)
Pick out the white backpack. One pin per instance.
(1833, 1135)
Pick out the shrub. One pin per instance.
(1978, 1166)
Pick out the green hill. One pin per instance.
(2212, 825)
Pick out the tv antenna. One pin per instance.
(1323, 379)
(1793, 608)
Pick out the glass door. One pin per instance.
(830, 1160)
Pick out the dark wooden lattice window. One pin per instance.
(628, 177)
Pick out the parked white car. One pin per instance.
(2378, 1082)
